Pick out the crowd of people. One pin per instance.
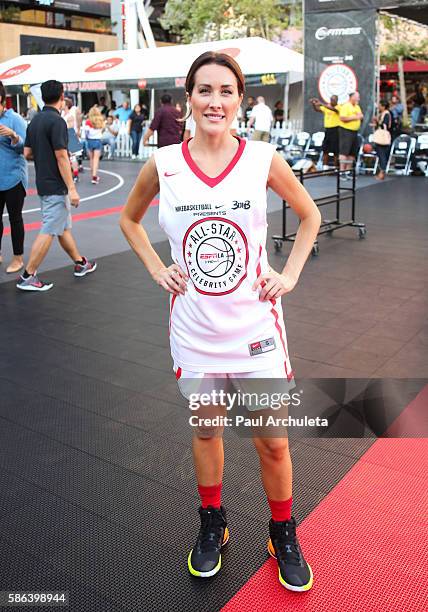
(44, 141)
(101, 125)
(342, 123)
(88, 135)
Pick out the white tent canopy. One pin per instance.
(256, 56)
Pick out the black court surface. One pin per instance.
(97, 492)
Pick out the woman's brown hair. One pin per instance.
(2, 94)
(221, 59)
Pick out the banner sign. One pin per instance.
(322, 6)
(99, 8)
(340, 58)
(86, 86)
(90, 7)
(37, 45)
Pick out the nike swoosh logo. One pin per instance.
(220, 206)
(171, 173)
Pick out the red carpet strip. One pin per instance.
(366, 541)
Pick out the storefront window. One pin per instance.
(60, 20)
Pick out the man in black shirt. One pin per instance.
(46, 142)
(249, 109)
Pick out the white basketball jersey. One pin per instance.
(217, 231)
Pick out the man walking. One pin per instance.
(330, 143)
(166, 123)
(46, 143)
(261, 117)
(350, 122)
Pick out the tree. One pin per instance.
(404, 44)
(201, 20)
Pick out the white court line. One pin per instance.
(92, 197)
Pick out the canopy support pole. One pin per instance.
(152, 104)
(79, 100)
(286, 94)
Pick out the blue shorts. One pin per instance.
(94, 144)
(56, 215)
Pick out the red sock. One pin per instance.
(281, 510)
(210, 496)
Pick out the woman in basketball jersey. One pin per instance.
(226, 319)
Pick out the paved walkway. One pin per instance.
(97, 491)
(96, 219)
(359, 310)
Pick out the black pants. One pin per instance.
(14, 200)
(383, 154)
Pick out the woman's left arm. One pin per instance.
(285, 184)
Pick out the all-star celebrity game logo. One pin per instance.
(216, 254)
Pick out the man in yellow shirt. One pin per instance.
(350, 122)
(331, 127)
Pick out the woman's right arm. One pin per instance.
(171, 278)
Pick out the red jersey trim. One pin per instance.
(170, 312)
(275, 314)
(208, 180)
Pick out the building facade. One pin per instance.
(30, 27)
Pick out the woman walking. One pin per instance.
(226, 317)
(13, 178)
(135, 128)
(71, 116)
(94, 127)
(382, 137)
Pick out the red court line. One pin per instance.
(29, 227)
(366, 540)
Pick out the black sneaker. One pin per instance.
(205, 557)
(294, 573)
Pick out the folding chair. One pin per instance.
(367, 162)
(420, 155)
(314, 148)
(400, 156)
(283, 141)
(298, 146)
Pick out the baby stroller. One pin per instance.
(75, 151)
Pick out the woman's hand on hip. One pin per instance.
(274, 285)
(172, 279)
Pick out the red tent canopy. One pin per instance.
(409, 66)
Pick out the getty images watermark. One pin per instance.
(262, 403)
